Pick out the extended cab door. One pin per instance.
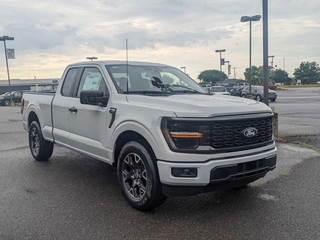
(88, 124)
(60, 107)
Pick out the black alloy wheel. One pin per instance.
(40, 149)
(138, 177)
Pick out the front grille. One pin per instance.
(226, 134)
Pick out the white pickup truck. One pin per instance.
(163, 132)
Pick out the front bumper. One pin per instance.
(217, 174)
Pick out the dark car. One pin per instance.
(257, 93)
(236, 91)
(16, 98)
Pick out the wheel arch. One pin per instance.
(32, 117)
(128, 136)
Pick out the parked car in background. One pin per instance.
(4, 94)
(16, 98)
(206, 87)
(272, 86)
(219, 90)
(236, 91)
(257, 93)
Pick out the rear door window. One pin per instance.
(68, 82)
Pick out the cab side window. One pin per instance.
(92, 80)
(68, 82)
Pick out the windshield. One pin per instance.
(152, 79)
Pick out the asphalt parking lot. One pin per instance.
(76, 197)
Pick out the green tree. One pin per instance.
(212, 76)
(256, 75)
(308, 72)
(280, 76)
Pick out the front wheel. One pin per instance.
(40, 149)
(6, 102)
(138, 177)
(258, 98)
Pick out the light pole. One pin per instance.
(228, 72)
(184, 69)
(220, 51)
(4, 38)
(92, 58)
(271, 60)
(250, 19)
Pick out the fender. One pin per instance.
(139, 128)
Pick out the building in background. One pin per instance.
(29, 85)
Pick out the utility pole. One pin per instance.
(234, 73)
(265, 51)
(284, 64)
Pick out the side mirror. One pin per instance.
(93, 98)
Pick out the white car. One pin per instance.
(219, 90)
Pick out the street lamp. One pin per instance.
(184, 69)
(220, 51)
(4, 39)
(92, 58)
(228, 72)
(271, 60)
(250, 19)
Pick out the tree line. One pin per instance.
(307, 72)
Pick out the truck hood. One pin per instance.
(187, 105)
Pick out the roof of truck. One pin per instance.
(117, 62)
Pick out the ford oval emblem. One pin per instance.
(250, 132)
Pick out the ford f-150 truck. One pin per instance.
(164, 133)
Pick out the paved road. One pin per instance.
(76, 197)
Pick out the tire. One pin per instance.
(138, 177)
(243, 95)
(273, 100)
(258, 98)
(6, 102)
(40, 149)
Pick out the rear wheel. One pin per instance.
(243, 95)
(138, 177)
(40, 149)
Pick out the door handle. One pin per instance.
(73, 109)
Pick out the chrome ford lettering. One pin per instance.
(250, 132)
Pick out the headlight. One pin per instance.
(181, 134)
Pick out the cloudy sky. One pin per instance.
(182, 33)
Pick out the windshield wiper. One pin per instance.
(148, 92)
(185, 89)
